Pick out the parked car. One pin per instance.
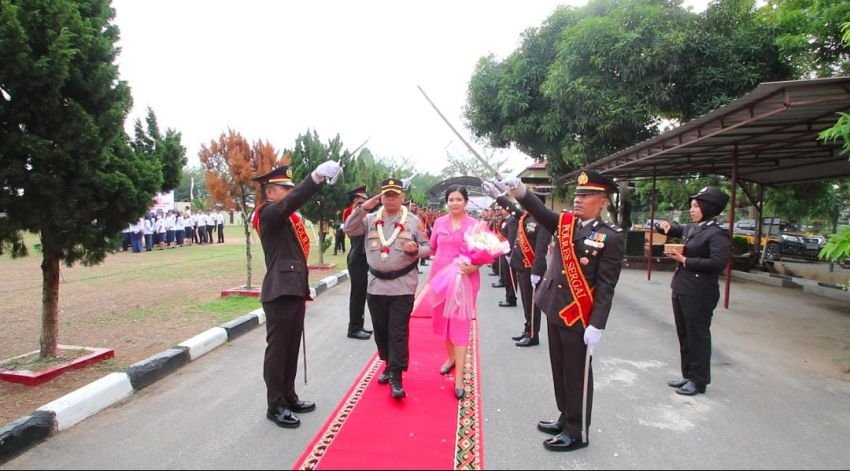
(788, 242)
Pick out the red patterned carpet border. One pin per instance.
(311, 458)
(469, 437)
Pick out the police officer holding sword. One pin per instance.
(576, 294)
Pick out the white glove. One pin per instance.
(326, 170)
(514, 185)
(592, 336)
(405, 183)
(490, 189)
(535, 280)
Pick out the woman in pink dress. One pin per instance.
(446, 244)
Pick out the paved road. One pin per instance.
(765, 409)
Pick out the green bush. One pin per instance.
(837, 248)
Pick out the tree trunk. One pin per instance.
(49, 302)
(246, 224)
(625, 206)
(321, 245)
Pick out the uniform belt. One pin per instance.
(391, 275)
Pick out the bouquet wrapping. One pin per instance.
(453, 288)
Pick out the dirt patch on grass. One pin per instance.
(138, 304)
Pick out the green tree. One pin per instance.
(328, 204)
(419, 185)
(596, 79)
(817, 202)
(167, 150)
(231, 163)
(469, 165)
(841, 130)
(185, 191)
(730, 49)
(810, 35)
(67, 169)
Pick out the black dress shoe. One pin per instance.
(283, 417)
(520, 337)
(459, 393)
(690, 389)
(447, 369)
(385, 377)
(528, 342)
(359, 335)
(677, 383)
(367, 331)
(302, 406)
(498, 284)
(397, 391)
(549, 426)
(563, 442)
(507, 303)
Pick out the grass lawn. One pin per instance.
(136, 303)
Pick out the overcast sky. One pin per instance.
(273, 69)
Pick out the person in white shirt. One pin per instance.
(125, 237)
(179, 230)
(136, 235)
(202, 227)
(210, 219)
(147, 231)
(159, 226)
(188, 228)
(220, 228)
(170, 222)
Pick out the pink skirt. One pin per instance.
(428, 305)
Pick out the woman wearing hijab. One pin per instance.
(696, 289)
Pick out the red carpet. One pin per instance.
(430, 429)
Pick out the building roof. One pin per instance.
(772, 130)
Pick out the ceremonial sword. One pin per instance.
(584, 396)
(477, 156)
(333, 180)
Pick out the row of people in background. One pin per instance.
(173, 229)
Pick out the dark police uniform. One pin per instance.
(494, 223)
(284, 294)
(599, 247)
(358, 270)
(696, 292)
(538, 238)
(506, 276)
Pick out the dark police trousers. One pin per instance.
(391, 322)
(358, 274)
(284, 325)
(526, 291)
(505, 277)
(566, 354)
(693, 322)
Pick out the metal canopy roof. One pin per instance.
(472, 184)
(773, 130)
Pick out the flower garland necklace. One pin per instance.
(379, 223)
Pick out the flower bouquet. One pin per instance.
(450, 287)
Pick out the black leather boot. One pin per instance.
(396, 389)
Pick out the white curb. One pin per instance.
(329, 281)
(90, 399)
(261, 315)
(205, 342)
